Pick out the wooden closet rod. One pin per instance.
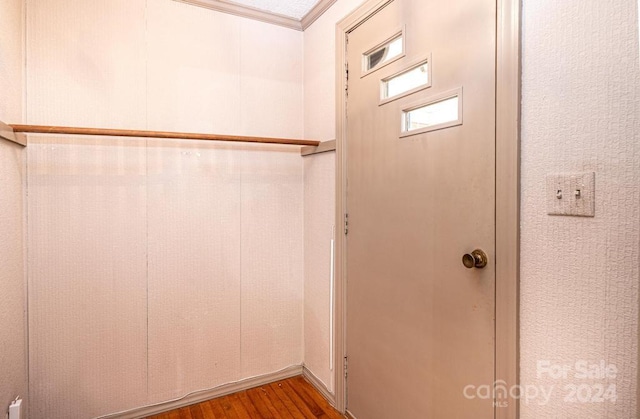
(43, 129)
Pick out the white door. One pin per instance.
(420, 195)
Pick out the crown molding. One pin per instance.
(264, 16)
(248, 12)
(317, 11)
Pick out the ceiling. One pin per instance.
(292, 14)
(295, 9)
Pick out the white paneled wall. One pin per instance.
(193, 70)
(320, 71)
(159, 268)
(86, 63)
(271, 86)
(161, 65)
(87, 264)
(12, 279)
(319, 219)
(11, 60)
(194, 274)
(272, 258)
(13, 365)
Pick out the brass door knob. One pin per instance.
(476, 259)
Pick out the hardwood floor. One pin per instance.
(292, 398)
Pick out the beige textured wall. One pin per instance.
(12, 171)
(579, 284)
(161, 267)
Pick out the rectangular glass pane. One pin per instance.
(414, 78)
(384, 53)
(431, 115)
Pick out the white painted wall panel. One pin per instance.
(159, 271)
(320, 73)
(319, 219)
(12, 280)
(11, 60)
(272, 259)
(12, 177)
(86, 63)
(87, 276)
(224, 275)
(194, 267)
(194, 72)
(161, 65)
(579, 284)
(272, 78)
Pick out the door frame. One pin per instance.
(507, 234)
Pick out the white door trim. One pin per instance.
(507, 195)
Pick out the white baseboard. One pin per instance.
(349, 415)
(204, 395)
(319, 385)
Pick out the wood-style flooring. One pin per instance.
(291, 398)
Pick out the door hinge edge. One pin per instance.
(346, 79)
(346, 224)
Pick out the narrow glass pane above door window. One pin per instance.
(442, 111)
(408, 81)
(384, 53)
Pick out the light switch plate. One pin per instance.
(571, 194)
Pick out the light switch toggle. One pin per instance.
(571, 194)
